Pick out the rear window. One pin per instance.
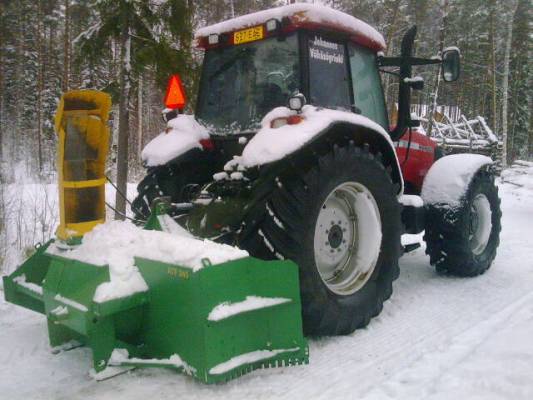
(328, 74)
(367, 89)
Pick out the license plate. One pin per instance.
(248, 35)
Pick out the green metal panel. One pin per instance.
(180, 302)
(33, 271)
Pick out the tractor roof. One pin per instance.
(302, 15)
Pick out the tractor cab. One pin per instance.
(257, 62)
(251, 68)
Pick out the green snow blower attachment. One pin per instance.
(214, 322)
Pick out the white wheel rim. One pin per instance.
(480, 224)
(347, 239)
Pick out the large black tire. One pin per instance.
(450, 230)
(282, 225)
(176, 180)
(161, 181)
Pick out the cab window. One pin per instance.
(367, 89)
(328, 73)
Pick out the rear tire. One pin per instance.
(463, 241)
(285, 224)
(159, 182)
(172, 180)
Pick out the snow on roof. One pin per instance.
(303, 14)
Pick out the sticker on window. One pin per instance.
(322, 50)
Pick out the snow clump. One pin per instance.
(183, 133)
(448, 179)
(116, 243)
(273, 144)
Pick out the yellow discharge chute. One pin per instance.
(81, 124)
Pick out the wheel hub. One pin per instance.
(347, 238)
(480, 224)
(335, 236)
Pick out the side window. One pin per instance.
(367, 89)
(328, 74)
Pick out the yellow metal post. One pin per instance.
(83, 142)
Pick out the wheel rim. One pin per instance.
(480, 224)
(347, 238)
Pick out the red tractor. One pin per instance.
(290, 156)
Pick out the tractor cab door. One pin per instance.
(345, 76)
(367, 89)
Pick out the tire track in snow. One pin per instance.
(429, 369)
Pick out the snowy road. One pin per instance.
(437, 338)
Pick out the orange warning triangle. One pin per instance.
(175, 97)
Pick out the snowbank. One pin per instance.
(300, 13)
(448, 179)
(519, 177)
(272, 144)
(183, 134)
(116, 243)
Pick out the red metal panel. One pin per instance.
(421, 158)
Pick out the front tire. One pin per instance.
(463, 240)
(303, 219)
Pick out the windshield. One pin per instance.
(240, 84)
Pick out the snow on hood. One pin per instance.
(116, 243)
(300, 12)
(183, 134)
(273, 144)
(448, 179)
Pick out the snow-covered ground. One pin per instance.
(31, 216)
(438, 337)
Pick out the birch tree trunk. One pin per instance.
(40, 85)
(392, 26)
(66, 48)
(123, 122)
(435, 94)
(140, 117)
(492, 68)
(505, 84)
(1, 101)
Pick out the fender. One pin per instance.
(317, 128)
(378, 140)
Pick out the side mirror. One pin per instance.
(451, 64)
